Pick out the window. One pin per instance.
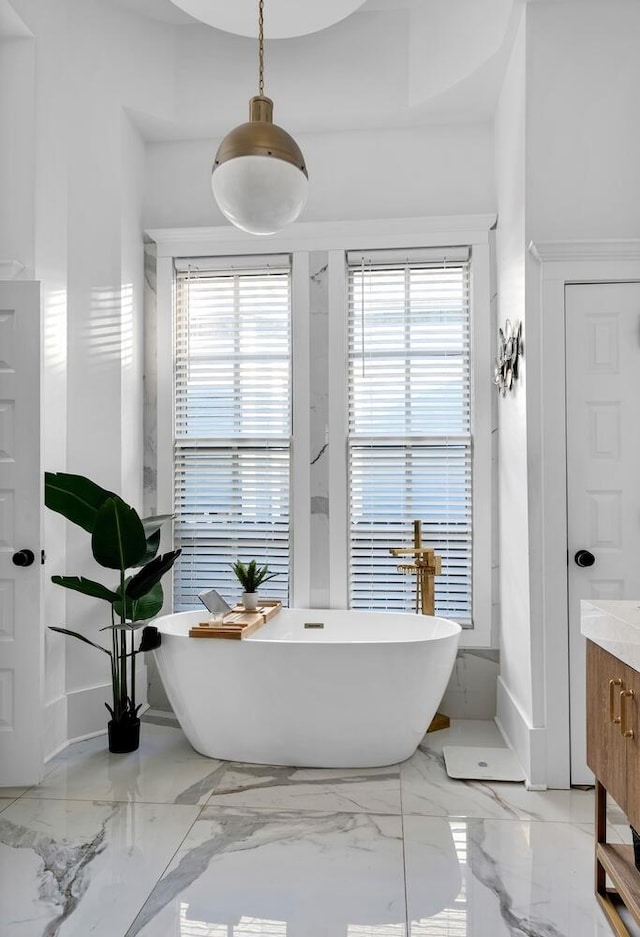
(232, 404)
(319, 449)
(409, 426)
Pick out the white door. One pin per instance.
(603, 467)
(21, 632)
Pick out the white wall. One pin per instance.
(121, 61)
(567, 149)
(17, 171)
(515, 634)
(132, 310)
(567, 154)
(583, 151)
(92, 61)
(51, 216)
(450, 41)
(33, 187)
(354, 175)
(72, 179)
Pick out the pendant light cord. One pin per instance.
(261, 48)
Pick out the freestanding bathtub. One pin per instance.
(358, 692)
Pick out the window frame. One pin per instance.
(484, 631)
(227, 449)
(337, 238)
(369, 447)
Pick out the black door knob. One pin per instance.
(23, 558)
(584, 558)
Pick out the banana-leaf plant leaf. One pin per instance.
(127, 626)
(153, 524)
(150, 574)
(152, 527)
(80, 637)
(146, 606)
(86, 586)
(75, 497)
(118, 539)
(149, 604)
(153, 545)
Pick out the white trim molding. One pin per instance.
(326, 235)
(55, 726)
(10, 269)
(527, 743)
(482, 394)
(567, 251)
(86, 713)
(560, 264)
(338, 430)
(300, 497)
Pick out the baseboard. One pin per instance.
(87, 715)
(527, 742)
(55, 726)
(89, 735)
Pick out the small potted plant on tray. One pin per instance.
(120, 540)
(251, 576)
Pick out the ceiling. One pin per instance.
(389, 64)
(11, 26)
(282, 19)
(162, 10)
(166, 11)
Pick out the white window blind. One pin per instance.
(232, 359)
(410, 444)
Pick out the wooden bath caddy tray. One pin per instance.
(238, 623)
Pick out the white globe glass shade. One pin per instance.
(259, 194)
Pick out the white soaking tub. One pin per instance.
(358, 692)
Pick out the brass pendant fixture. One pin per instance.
(259, 177)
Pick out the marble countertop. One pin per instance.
(615, 626)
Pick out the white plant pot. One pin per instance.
(250, 601)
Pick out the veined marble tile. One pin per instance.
(70, 868)
(268, 873)
(361, 790)
(618, 829)
(165, 769)
(516, 879)
(427, 790)
(9, 794)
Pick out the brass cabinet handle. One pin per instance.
(624, 731)
(612, 702)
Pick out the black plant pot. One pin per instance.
(636, 847)
(124, 735)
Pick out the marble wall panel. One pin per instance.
(318, 426)
(150, 424)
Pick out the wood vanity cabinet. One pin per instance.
(613, 754)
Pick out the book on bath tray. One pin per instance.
(238, 623)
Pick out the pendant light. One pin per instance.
(259, 177)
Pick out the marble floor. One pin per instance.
(166, 843)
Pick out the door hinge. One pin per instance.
(43, 557)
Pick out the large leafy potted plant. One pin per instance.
(120, 541)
